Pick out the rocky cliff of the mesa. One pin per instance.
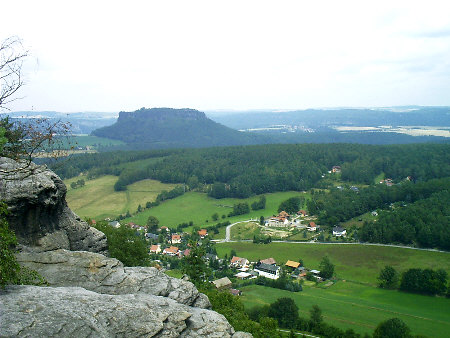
(172, 128)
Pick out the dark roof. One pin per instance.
(210, 256)
(338, 229)
(267, 267)
(151, 236)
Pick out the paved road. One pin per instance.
(228, 229)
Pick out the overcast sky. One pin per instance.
(124, 55)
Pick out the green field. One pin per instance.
(358, 221)
(362, 308)
(97, 199)
(198, 207)
(245, 230)
(359, 263)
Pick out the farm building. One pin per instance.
(222, 283)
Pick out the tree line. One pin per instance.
(342, 205)
(423, 281)
(424, 222)
(242, 171)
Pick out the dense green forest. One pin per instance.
(242, 171)
(413, 210)
(342, 204)
(424, 222)
(97, 164)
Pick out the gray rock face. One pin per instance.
(90, 294)
(98, 273)
(38, 212)
(29, 311)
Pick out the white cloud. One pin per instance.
(110, 55)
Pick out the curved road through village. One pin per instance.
(228, 239)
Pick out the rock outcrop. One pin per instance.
(29, 311)
(101, 274)
(38, 212)
(89, 294)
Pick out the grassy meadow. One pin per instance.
(358, 221)
(362, 308)
(199, 208)
(360, 263)
(245, 230)
(97, 199)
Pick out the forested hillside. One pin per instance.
(246, 170)
(413, 202)
(424, 222)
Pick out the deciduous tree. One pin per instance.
(285, 311)
(326, 268)
(152, 224)
(392, 328)
(388, 278)
(194, 264)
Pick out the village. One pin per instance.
(167, 250)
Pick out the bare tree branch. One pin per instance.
(12, 55)
(20, 140)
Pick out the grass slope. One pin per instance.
(362, 308)
(198, 207)
(359, 263)
(97, 199)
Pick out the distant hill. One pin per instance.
(319, 118)
(173, 128)
(80, 123)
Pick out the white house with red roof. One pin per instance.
(203, 233)
(312, 226)
(176, 239)
(239, 262)
(156, 248)
(171, 251)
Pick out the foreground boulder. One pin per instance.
(30, 311)
(38, 212)
(101, 274)
(89, 294)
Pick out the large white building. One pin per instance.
(268, 271)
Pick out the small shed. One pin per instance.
(222, 283)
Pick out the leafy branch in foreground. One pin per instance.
(10, 270)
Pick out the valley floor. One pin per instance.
(361, 307)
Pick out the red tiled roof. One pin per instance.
(235, 259)
(269, 261)
(203, 232)
(173, 249)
